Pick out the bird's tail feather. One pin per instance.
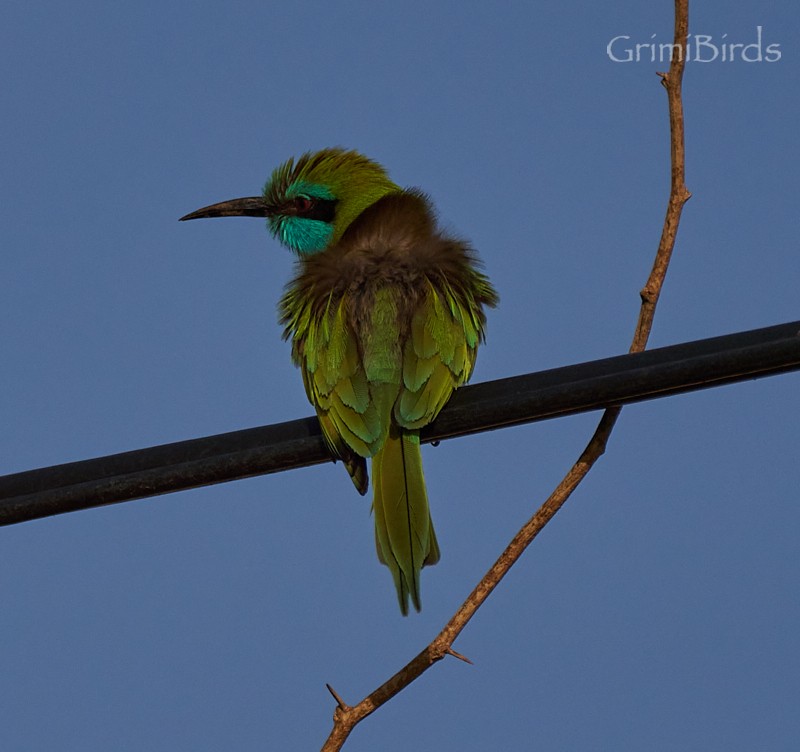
(404, 534)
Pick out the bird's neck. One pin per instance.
(395, 240)
(355, 203)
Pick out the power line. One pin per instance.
(481, 407)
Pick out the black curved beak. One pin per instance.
(255, 206)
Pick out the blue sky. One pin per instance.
(658, 611)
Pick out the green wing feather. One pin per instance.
(326, 351)
(438, 357)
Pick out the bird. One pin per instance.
(385, 314)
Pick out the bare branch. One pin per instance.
(346, 720)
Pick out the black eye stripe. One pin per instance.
(323, 209)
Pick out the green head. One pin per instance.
(311, 202)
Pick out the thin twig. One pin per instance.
(345, 719)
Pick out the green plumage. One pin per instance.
(385, 315)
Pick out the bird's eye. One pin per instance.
(311, 207)
(303, 204)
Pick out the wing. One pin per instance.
(439, 353)
(325, 349)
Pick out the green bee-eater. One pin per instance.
(385, 314)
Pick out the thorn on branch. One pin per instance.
(339, 701)
(460, 657)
